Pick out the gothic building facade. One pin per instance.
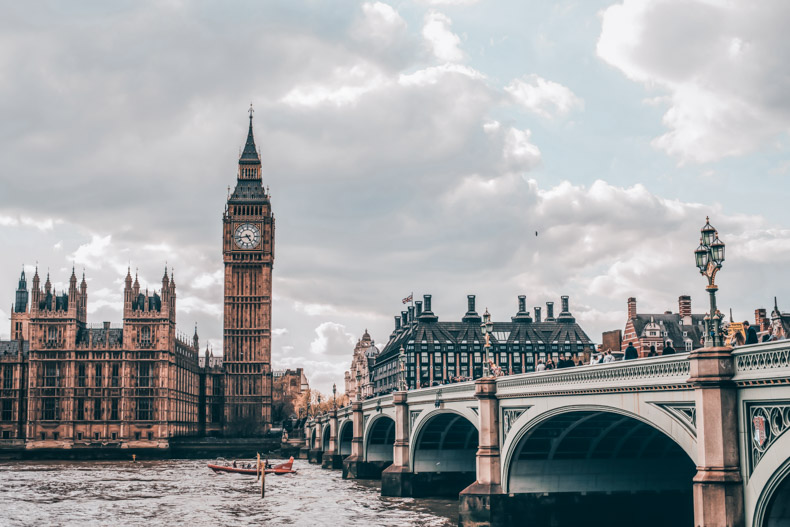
(68, 384)
(364, 358)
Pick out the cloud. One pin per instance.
(723, 65)
(332, 339)
(444, 44)
(543, 97)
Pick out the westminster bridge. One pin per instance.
(657, 440)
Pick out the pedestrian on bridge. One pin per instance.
(630, 352)
(668, 349)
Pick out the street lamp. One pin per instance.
(709, 256)
(319, 402)
(308, 406)
(334, 396)
(486, 327)
(359, 382)
(402, 370)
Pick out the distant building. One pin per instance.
(365, 354)
(612, 340)
(683, 329)
(287, 387)
(440, 352)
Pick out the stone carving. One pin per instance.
(685, 413)
(365, 421)
(413, 417)
(474, 409)
(766, 423)
(509, 416)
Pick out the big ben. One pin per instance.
(248, 254)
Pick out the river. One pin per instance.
(185, 492)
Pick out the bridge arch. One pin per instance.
(605, 463)
(344, 436)
(768, 489)
(313, 436)
(325, 433)
(379, 439)
(443, 453)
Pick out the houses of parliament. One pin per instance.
(68, 384)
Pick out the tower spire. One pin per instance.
(249, 156)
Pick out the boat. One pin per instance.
(278, 470)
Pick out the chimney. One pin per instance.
(523, 314)
(761, 319)
(684, 306)
(565, 303)
(404, 318)
(549, 311)
(419, 307)
(565, 314)
(522, 303)
(397, 323)
(471, 315)
(427, 299)
(631, 307)
(106, 325)
(411, 313)
(537, 314)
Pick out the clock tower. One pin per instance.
(248, 254)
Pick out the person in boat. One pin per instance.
(234, 463)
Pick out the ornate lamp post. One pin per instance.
(709, 256)
(308, 405)
(359, 385)
(402, 370)
(334, 396)
(319, 402)
(486, 327)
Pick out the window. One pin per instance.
(137, 436)
(8, 377)
(144, 409)
(97, 409)
(55, 435)
(150, 436)
(79, 436)
(688, 345)
(43, 436)
(113, 409)
(451, 358)
(8, 410)
(116, 380)
(81, 376)
(50, 409)
(114, 436)
(95, 436)
(52, 334)
(98, 375)
(145, 336)
(80, 409)
(143, 375)
(517, 358)
(51, 374)
(503, 359)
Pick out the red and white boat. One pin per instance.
(279, 470)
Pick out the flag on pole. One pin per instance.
(408, 298)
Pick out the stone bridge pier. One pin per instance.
(691, 439)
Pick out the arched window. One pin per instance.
(145, 336)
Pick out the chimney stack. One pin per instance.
(471, 314)
(404, 317)
(565, 314)
(523, 314)
(427, 299)
(537, 314)
(684, 306)
(549, 311)
(522, 303)
(397, 323)
(411, 313)
(419, 307)
(761, 319)
(631, 307)
(564, 303)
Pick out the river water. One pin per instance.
(185, 492)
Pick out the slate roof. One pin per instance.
(100, 336)
(250, 154)
(12, 347)
(248, 190)
(672, 324)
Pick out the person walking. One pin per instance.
(751, 333)
(652, 352)
(541, 366)
(608, 357)
(668, 349)
(737, 339)
(550, 364)
(630, 352)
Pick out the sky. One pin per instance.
(444, 147)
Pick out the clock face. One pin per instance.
(247, 236)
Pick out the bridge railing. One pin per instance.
(652, 372)
(766, 363)
(443, 393)
(382, 401)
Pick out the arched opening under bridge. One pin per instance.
(777, 511)
(344, 438)
(599, 468)
(325, 441)
(444, 455)
(379, 442)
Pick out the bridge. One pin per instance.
(657, 441)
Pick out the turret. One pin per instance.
(22, 296)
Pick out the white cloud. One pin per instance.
(723, 64)
(42, 224)
(380, 23)
(434, 74)
(449, 2)
(346, 86)
(93, 254)
(543, 97)
(444, 44)
(332, 339)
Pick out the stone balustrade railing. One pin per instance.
(768, 362)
